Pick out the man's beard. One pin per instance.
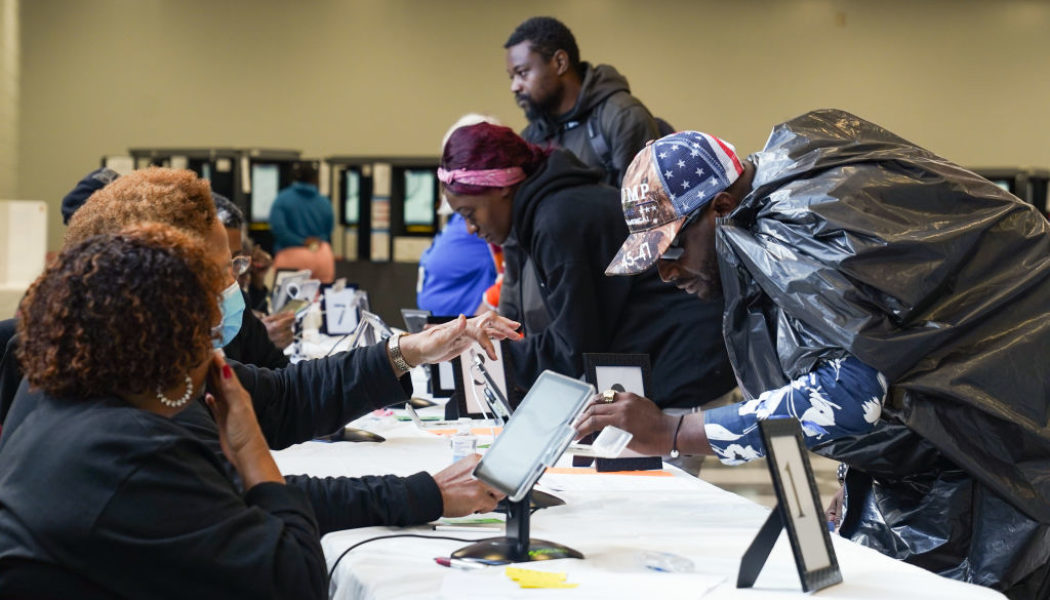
(713, 291)
(533, 111)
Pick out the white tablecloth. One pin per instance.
(610, 518)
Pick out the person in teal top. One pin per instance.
(301, 219)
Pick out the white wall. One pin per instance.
(965, 78)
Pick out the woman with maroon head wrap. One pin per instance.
(560, 227)
(481, 168)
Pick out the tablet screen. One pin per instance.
(536, 434)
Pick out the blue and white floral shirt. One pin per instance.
(839, 398)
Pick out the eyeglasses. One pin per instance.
(675, 250)
(240, 264)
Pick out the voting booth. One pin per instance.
(386, 205)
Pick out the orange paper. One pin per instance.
(592, 471)
(476, 431)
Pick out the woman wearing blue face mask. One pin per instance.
(232, 306)
(117, 341)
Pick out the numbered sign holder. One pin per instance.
(798, 509)
(338, 309)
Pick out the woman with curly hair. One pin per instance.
(117, 340)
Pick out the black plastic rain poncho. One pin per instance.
(856, 241)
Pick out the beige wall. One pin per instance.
(9, 94)
(967, 79)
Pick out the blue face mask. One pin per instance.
(232, 307)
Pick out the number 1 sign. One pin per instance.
(798, 509)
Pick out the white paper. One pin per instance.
(613, 483)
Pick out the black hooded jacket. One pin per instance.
(571, 227)
(624, 121)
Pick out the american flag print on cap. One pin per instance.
(665, 183)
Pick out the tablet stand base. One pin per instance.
(516, 546)
(352, 434)
(506, 550)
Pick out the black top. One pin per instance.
(314, 398)
(623, 120)
(133, 504)
(252, 344)
(299, 403)
(571, 227)
(10, 371)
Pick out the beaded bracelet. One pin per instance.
(674, 442)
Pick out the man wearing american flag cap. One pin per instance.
(882, 296)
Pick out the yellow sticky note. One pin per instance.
(530, 579)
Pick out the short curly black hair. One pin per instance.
(127, 312)
(546, 35)
(228, 212)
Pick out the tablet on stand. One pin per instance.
(534, 438)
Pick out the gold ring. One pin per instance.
(608, 396)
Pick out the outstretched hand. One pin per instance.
(461, 493)
(449, 340)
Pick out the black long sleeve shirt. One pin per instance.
(98, 495)
(302, 402)
(314, 398)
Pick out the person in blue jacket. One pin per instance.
(301, 220)
(455, 271)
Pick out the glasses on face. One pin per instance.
(675, 250)
(240, 264)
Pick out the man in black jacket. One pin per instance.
(583, 108)
(586, 109)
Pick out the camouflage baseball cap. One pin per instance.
(668, 180)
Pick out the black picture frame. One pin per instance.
(594, 362)
(635, 375)
(323, 328)
(798, 510)
(437, 390)
(497, 370)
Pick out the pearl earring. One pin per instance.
(176, 403)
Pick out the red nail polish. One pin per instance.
(227, 372)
